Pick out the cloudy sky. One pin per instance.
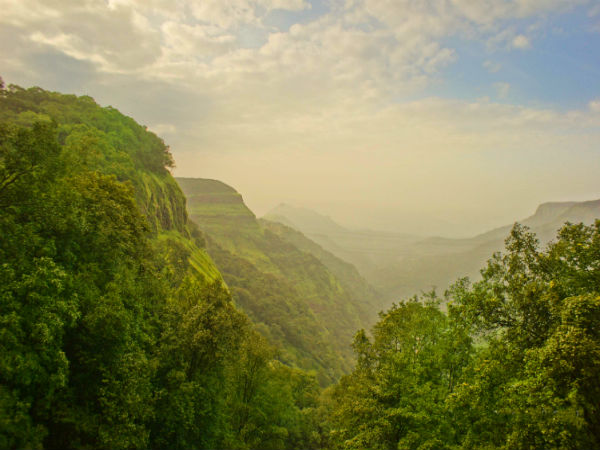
(414, 115)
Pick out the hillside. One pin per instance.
(115, 144)
(310, 310)
(117, 331)
(346, 273)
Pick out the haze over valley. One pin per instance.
(401, 265)
(300, 224)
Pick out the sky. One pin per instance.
(425, 116)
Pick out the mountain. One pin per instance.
(364, 249)
(309, 221)
(547, 218)
(399, 265)
(302, 298)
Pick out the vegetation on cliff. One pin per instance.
(116, 329)
(303, 299)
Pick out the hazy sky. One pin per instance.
(380, 113)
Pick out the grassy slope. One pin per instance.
(289, 292)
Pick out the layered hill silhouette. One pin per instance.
(303, 298)
(401, 265)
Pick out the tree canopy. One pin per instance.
(116, 330)
(513, 363)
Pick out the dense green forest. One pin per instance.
(514, 363)
(118, 331)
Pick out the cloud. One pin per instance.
(195, 41)
(509, 38)
(521, 42)
(361, 52)
(163, 129)
(486, 12)
(324, 98)
(289, 5)
(491, 66)
(369, 48)
(232, 13)
(116, 38)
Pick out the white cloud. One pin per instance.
(324, 96)
(521, 42)
(489, 11)
(116, 38)
(289, 5)
(224, 13)
(195, 41)
(163, 129)
(372, 46)
(232, 13)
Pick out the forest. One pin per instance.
(119, 329)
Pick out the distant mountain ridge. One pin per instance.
(400, 265)
(311, 221)
(362, 248)
(549, 211)
(548, 217)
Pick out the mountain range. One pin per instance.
(401, 265)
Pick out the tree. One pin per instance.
(395, 398)
(535, 383)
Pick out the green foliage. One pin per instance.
(104, 139)
(395, 398)
(538, 377)
(530, 381)
(282, 314)
(201, 334)
(74, 297)
(116, 330)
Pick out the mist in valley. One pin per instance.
(300, 224)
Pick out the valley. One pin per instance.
(400, 265)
